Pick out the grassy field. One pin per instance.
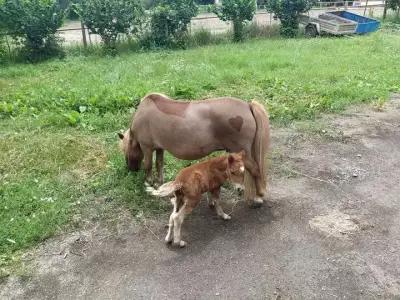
(58, 143)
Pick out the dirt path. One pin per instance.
(332, 233)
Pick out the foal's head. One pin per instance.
(131, 149)
(236, 167)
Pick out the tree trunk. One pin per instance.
(385, 10)
(238, 30)
(83, 35)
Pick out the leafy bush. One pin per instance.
(288, 13)
(169, 21)
(394, 5)
(33, 23)
(111, 18)
(237, 11)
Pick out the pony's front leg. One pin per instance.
(148, 163)
(160, 165)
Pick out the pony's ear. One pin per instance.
(242, 153)
(121, 136)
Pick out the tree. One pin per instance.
(111, 18)
(394, 5)
(170, 19)
(237, 11)
(34, 23)
(288, 12)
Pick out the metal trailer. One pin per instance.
(338, 23)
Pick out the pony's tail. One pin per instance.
(167, 189)
(261, 140)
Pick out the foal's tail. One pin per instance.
(261, 140)
(167, 189)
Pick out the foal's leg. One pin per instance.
(218, 208)
(160, 165)
(178, 218)
(169, 237)
(211, 201)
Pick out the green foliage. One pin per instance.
(34, 24)
(208, 8)
(111, 18)
(237, 11)
(288, 12)
(394, 5)
(205, 2)
(294, 77)
(72, 117)
(169, 21)
(3, 49)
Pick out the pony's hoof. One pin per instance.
(211, 205)
(257, 202)
(180, 244)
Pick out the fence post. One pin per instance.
(83, 35)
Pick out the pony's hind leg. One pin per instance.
(252, 179)
(160, 165)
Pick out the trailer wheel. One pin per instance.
(311, 30)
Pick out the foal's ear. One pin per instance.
(121, 136)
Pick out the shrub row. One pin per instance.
(33, 24)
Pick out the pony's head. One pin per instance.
(131, 149)
(236, 167)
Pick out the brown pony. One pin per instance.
(192, 130)
(192, 182)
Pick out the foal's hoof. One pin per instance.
(226, 217)
(180, 244)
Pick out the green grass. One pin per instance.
(58, 119)
(295, 78)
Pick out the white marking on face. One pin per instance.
(242, 169)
